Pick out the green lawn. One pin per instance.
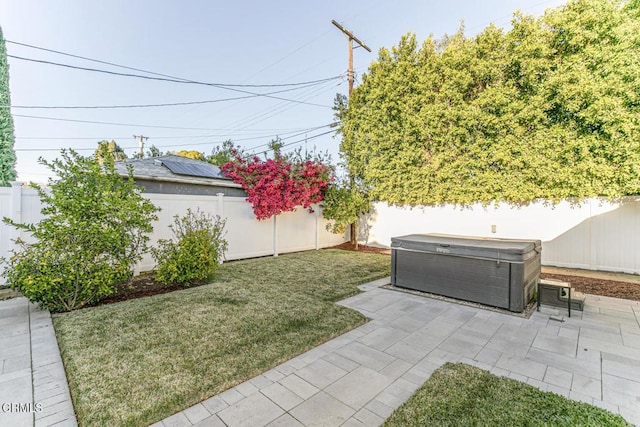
(139, 361)
(462, 395)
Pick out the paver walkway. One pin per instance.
(33, 385)
(359, 378)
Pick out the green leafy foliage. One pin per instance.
(549, 109)
(94, 230)
(153, 151)
(343, 205)
(224, 153)
(191, 154)
(111, 148)
(196, 251)
(7, 155)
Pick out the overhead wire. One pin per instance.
(163, 77)
(99, 138)
(290, 143)
(271, 112)
(260, 117)
(235, 89)
(268, 114)
(296, 132)
(166, 104)
(244, 124)
(61, 119)
(167, 78)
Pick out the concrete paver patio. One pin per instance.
(359, 378)
(33, 385)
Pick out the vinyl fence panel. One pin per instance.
(247, 237)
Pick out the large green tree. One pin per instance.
(549, 109)
(7, 155)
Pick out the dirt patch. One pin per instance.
(347, 246)
(596, 286)
(144, 285)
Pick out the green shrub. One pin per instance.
(343, 204)
(93, 232)
(194, 254)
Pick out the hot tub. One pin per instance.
(497, 272)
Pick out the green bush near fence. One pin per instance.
(94, 230)
(196, 251)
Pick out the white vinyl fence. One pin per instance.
(595, 235)
(247, 237)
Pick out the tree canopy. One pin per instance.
(109, 148)
(192, 154)
(7, 155)
(549, 109)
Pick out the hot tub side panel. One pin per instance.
(477, 280)
(523, 282)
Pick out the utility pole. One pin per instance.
(353, 228)
(351, 38)
(142, 140)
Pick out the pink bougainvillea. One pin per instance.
(277, 185)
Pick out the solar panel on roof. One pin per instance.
(204, 170)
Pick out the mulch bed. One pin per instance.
(603, 287)
(144, 285)
(347, 246)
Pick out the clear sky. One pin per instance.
(231, 42)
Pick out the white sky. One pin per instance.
(274, 42)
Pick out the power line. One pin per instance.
(100, 138)
(308, 138)
(227, 87)
(278, 108)
(163, 77)
(166, 104)
(295, 133)
(108, 123)
(295, 142)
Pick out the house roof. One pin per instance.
(173, 168)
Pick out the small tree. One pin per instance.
(196, 251)
(94, 230)
(343, 205)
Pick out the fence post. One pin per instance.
(222, 217)
(16, 210)
(316, 218)
(593, 244)
(220, 205)
(275, 236)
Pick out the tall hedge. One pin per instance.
(7, 155)
(549, 109)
